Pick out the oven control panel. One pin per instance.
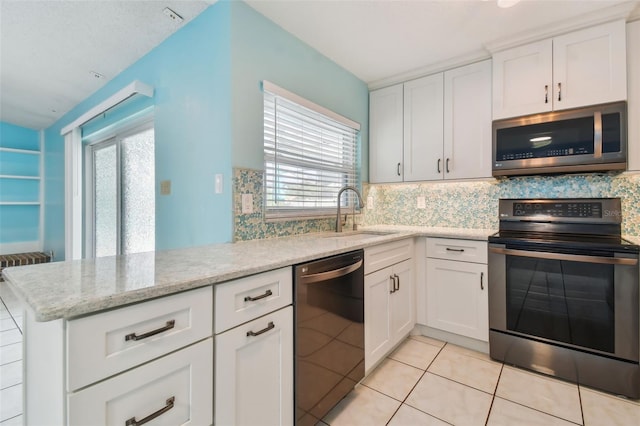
(570, 210)
(561, 209)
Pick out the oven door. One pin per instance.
(573, 298)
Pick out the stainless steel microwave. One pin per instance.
(590, 139)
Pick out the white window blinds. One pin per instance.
(309, 154)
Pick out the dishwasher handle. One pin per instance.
(334, 273)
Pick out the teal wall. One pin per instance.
(261, 50)
(190, 72)
(208, 116)
(19, 223)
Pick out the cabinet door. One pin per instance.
(377, 332)
(457, 299)
(589, 66)
(385, 135)
(177, 387)
(402, 301)
(522, 79)
(423, 131)
(467, 121)
(254, 373)
(633, 105)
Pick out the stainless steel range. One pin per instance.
(563, 292)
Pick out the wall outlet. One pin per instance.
(422, 202)
(370, 203)
(247, 203)
(165, 187)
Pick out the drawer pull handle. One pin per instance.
(262, 296)
(169, 405)
(134, 336)
(270, 326)
(457, 250)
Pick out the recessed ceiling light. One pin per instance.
(173, 15)
(97, 75)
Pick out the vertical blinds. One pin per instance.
(308, 157)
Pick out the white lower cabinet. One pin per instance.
(389, 312)
(174, 390)
(457, 299)
(456, 287)
(152, 359)
(254, 372)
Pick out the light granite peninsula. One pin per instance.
(64, 290)
(83, 363)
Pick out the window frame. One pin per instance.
(275, 97)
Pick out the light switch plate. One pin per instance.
(165, 187)
(422, 202)
(218, 183)
(247, 203)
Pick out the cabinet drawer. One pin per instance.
(454, 249)
(383, 255)
(234, 305)
(99, 346)
(185, 375)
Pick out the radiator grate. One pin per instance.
(20, 259)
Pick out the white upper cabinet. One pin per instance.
(633, 102)
(423, 131)
(581, 68)
(467, 121)
(385, 134)
(446, 123)
(522, 79)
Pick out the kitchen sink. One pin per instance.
(355, 235)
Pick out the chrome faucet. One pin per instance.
(361, 204)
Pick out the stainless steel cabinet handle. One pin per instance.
(269, 326)
(562, 256)
(546, 93)
(397, 282)
(559, 92)
(439, 160)
(169, 405)
(447, 165)
(481, 279)
(133, 336)
(398, 169)
(393, 287)
(457, 250)
(262, 296)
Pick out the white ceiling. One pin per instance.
(48, 48)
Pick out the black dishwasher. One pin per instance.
(329, 333)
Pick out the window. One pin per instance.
(309, 154)
(120, 212)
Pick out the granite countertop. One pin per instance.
(70, 289)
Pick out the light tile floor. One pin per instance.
(428, 382)
(423, 382)
(10, 357)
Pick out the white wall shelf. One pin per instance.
(20, 151)
(19, 177)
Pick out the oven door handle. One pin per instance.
(561, 256)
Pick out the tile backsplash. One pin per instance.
(462, 204)
(253, 226)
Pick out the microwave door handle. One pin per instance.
(561, 256)
(597, 134)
